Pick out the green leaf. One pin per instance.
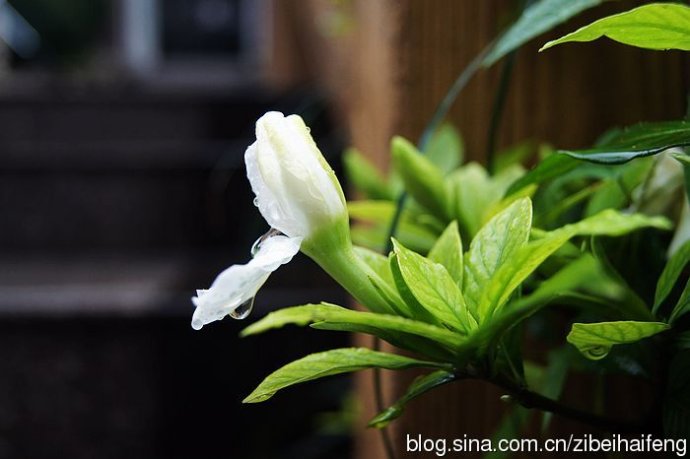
(446, 149)
(670, 274)
(572, 276)
(551, 167)
(510, 275)
(377, 262)
(420, 386)
(614, 223)
(470, 195)
(422, 179)
(685, 161)
(516, 154)
(448, 252)
(365, 177)
(640, 140)
(655, 26)
(413, 236)
(329, 363)
(329, 313)
(433, 288)
(538, 18)
(683, 305)
(495, 244)
(595, 340)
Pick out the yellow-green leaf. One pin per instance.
(596, 339)
(655, 26)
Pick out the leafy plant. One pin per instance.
(600, 236)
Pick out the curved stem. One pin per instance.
(497, 111)
(530, 400)
(354, 276)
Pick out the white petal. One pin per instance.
(239, 283)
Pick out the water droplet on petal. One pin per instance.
(242, 311)
(257, 244)
(256, 202)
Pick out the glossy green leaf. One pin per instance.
(420, 386)
(656, 26)
(365, 177)
(448, 252)
(433, 288)
(329, 363)
(644, 139)
(495, 244)
(446, 149)
(422, 179)
(595, 340)
(573, 275)
(328, 313)
(539, 17)
(672, 271)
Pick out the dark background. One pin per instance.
(122, 190)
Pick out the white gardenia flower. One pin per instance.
(239, 283)
(296, 190)
(297, 193)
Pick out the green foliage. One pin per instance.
(477, 254)
(655, 26)
(670, 275)
(644, 139)
(595, 340)
(365, 177)
(447, 251)
(422, 179)
(539, 17)
(420, 386)
(446, 149)
(330, 363)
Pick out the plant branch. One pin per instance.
(497, 111)
(533, 400)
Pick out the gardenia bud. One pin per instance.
(296, 190)
(299, 196)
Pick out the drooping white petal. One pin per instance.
(239, 283)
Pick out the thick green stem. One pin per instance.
(331, 249)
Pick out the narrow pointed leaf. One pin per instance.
(637, 141)
(670, 274)
(365, 177)
(448, 252)
(420, 386)
(433, 288)
(655, 26)
(423, 180)
(596, 339)
(539, 17)
(495, 244)
(445, 149)
(329, 363)
(329, 313)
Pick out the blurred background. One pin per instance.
(123, 125)
(122, 190)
